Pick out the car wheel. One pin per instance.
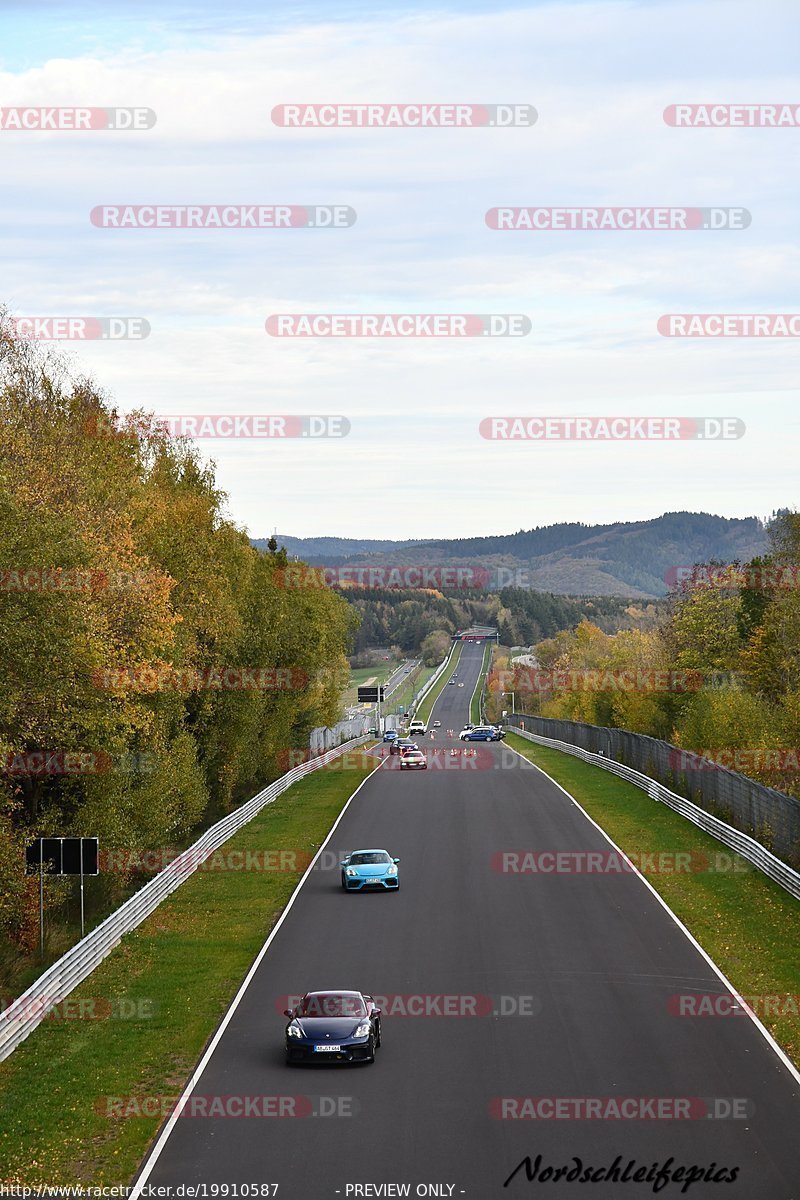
(344, 884)
(372, 1047)
(377, 1035)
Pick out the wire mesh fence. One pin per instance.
(764, 813)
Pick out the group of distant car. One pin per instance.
(482, 733)
(346, 1026)
(411, 757)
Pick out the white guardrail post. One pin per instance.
(777, 870)
(28, 1010)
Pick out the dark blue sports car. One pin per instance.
(333, 1027)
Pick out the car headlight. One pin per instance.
(362, 1030)
(351, 871)
(294, 1030)
(392, 870)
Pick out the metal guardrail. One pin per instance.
(765, 813)
(28, 1010)
(436, 675)
(742, 843)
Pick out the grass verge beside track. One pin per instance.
(748, 925)
(475, 702)
(426, 708)
(178, 972)
(408, 689)
(358, 678)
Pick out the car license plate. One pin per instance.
(373, 881)
(326, 1049)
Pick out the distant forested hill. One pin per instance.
(628, 559)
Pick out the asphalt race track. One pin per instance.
(562, 983)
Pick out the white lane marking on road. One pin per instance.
(791, 1068)
(167, 1130)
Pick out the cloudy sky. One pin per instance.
(414, 464)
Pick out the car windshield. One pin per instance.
(369, 856)
(332, 1004)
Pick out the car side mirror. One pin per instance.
(376, 1012)
(287, 1012)
(395, 860)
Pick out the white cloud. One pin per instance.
(600, 75)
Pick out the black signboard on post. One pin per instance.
(370, 695)
(60, 856)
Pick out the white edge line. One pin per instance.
(792, 1069)
(144, 1175)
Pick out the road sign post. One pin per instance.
(41, 898)
(63, 856)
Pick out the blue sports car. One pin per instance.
(364, 869)
(333, 1027)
